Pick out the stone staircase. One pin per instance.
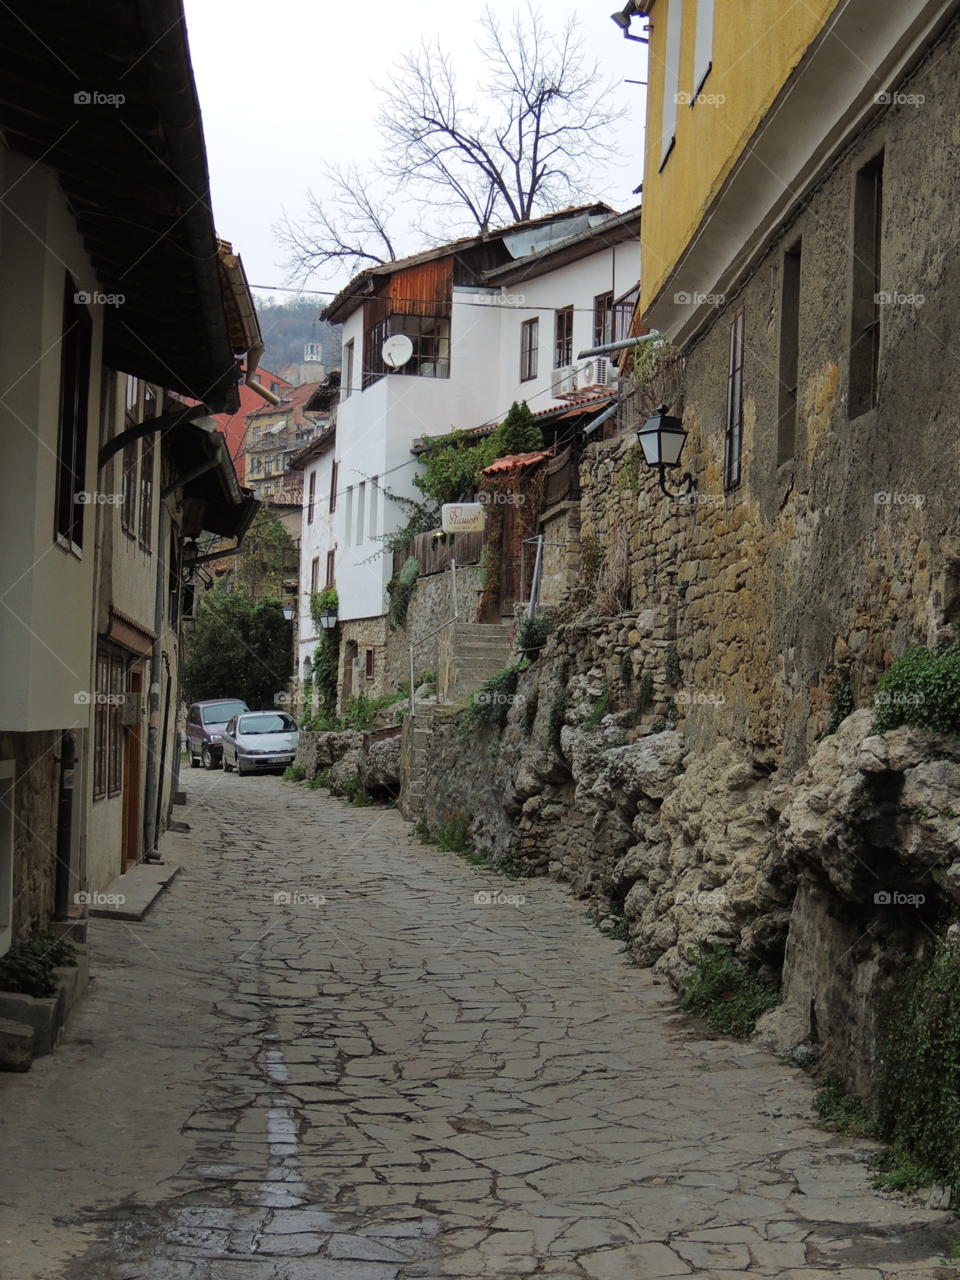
(470, 653)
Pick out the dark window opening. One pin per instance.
(430, 336)
(312, 496)
(333, 486)
(603, 319)
(315, 576)
(563, 348)
(733, 443)
(865, 318)
(369, 665)
(529, 349)
(789, 355)
(331, 568)
(75, 350)
(146, 491)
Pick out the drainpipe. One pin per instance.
(61, 889)
(150, 853)
(253, 360)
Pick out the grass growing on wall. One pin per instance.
(918, 1082)
(730, 996)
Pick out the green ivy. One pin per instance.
(672, 666)
(626, 668)
(401, 588)
(533, 633)
(840, 707)
(922, 688)
(489, 706)
(645, 689)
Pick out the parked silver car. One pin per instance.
(259, 740)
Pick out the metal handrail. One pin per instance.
(430, 634)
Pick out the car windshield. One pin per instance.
(279, 723)
(222, 712)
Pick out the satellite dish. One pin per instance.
(397, 351)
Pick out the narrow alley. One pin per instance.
(384, 1077)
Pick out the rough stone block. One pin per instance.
(16, 1045)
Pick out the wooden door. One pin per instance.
(132, 758)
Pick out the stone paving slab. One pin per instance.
(380, 1079)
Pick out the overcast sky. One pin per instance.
(287, 85)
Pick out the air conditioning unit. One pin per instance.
(564, 383)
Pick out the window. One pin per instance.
(703, 46)
(75, 347)
(348, 521)
(563, 351)
(430, 336)
(671, 79)
(789, 355)
(128, 516)
(373, 506)
(146, 491)
(331, 568)
(333, 486)
(734, 435)
(348, 368)
(108, 727)
(368, 668)
(603, 319)
(361, 506)
(131, 400)
(529, 348)
(256, 436)
(312, 496)
(865, 326)
(315, 576)
(256, 466)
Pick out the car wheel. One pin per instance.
(241, 771)
(227, 766)
(209, 759)
(194, 762)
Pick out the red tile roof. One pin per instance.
(516, 462)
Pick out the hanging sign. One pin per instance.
(462, 517)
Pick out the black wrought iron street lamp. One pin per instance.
(662, 438)
(288, 612)
(328, 619)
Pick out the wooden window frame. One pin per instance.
(76, 348)
(733, 437)
(603, 319)
(864, 371)
(369, 664)
(147, 463)
(314, 575)
(563, 338)
(311, 496)
(331, 568)
(529, 349)
(115, 728)
(101, 685)
(333, 486)
(350, 353)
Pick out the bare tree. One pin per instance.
(349, 230)
(522, 147)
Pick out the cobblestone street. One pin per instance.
(385, 1079)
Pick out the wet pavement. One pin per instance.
(322, 1058)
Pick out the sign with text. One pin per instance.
(462, 517)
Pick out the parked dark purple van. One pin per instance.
(206, 722)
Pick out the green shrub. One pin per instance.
(922, 688)
(354, 793)
(490, 705)
(295, 773)
(597, 713)
(730, 996)
(530, 711)
(645, 689)
(841, 706)
(28, 967)
(401, 588)
(843, 1112)
(558, 718)
(533, 633)
(626, 668)
(672, 665)
(321, 780)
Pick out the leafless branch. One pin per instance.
(348, 227)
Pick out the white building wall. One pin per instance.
(377, 426)
(316, 539)
(46, 590)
